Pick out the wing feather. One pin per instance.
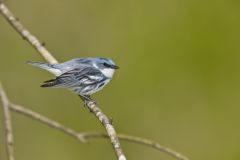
(76, 77)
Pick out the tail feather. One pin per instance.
(38, 64)
(49, 67)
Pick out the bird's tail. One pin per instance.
(46, 66)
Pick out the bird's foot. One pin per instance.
(87, 99)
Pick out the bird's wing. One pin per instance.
(75, 77)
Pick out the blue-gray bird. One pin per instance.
(84, 76)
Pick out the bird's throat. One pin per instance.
(108, 72)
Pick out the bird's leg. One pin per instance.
(86, 99)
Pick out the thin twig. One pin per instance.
(15, 23)
(46, 120)
(7, 124)
(139, 140)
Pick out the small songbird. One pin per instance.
(84, 76)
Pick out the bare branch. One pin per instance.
(84, 136)
(7, 124)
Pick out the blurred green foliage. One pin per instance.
(179, 82)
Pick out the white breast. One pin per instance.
(108, 72)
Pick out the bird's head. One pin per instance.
(105, 65)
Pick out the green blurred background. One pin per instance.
(179, 82)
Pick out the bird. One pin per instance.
(83, 76)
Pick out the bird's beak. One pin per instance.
(114, 67)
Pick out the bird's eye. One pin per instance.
(106, 65)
